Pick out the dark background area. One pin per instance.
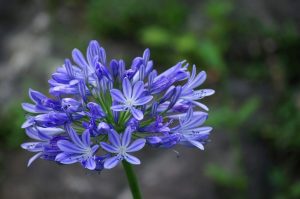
(250, 50)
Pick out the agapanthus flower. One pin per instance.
(98, 111)
(120, 146)
(130, 98)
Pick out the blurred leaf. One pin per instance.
(226, 178)
(228, 117)
(186, 43)
(11, 120)
(211, 55)
(247, 110)
(156, 36)
(295, 190)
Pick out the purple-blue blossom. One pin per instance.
(131, 97)
(99, 111)
(77, 149)
(120, 146)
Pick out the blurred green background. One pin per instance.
(250, 50)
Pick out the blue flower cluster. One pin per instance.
(100, 112)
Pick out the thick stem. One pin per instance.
(132, 180)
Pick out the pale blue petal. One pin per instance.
(127, 88)
(34, 108)
(89, 163)
(73, 135)
(138, 89)
(200, 105)
(118, 108)
(95, 148)
(33, 158)
(68, 147)
(114, 138)
(36, 96)
(126, 137)
(136, 145)
(33, 146)
(137, 114)
(79, 58)
(111, 162)
(196, 144)
(108, 147)
(131, 159)
(200, 78)
(143, 100)
(51, 130)
(66, 158)
(117, 95)
(93, 50)
(199, 94)
(86, 138)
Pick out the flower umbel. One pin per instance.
(100, 111)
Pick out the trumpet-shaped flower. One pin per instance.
(130, 98)
(120, 146)
(77, 150)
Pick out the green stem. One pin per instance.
(132, 180)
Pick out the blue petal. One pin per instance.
(32, 133)
(69, 68)
(89, 163)
(117, 95)
(111, 162)
(69, 147)
(143, 100)
(86, 138)
(79, 59)
(131, 159)
(34, 109)
(103, 126)
(33, 146)
(50, 131)
(36, 96)
(136, 145)
(118, 108)
(200, 105)
(102, 55)
(108, 147)
(114, 138)
(93, 50)
(197, 144)
(73, 135)
(127, 88)
(126, 137)
(29, 122)
(138, 89)
(200, 78)
(137, 114)
(95, 148)
(33, 158)
(199, 94)
(66, 158)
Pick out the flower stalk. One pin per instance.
(132, 180)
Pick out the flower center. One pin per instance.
(88, 153)
(129, 102)
(122, 150)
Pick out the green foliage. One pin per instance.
(226, 178)
(126, 18)
(233, 118)
(156, 36)
(11, 134)
(285, 131)
(283, 185)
